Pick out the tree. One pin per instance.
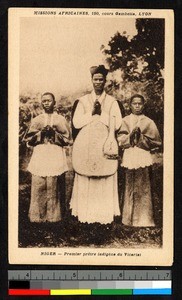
(137, 65)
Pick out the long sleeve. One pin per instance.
(150, 138)
(123, 136)
(22, 133)
(59, 126)
(81, 118)
(62, 133)
(115, 111)
(33, 137)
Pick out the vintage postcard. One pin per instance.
(91, 141)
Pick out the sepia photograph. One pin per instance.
(91, 136)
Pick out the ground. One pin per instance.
(71, 233)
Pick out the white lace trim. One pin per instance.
(48, 160)
(135, 158)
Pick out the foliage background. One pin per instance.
(136, 65)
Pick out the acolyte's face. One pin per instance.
(47, 103)
(137, 106)
(98, 81)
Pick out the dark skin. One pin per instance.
(135, 136)
(98, 81)
(48, 103)
(48, 106)
(137, 106)
(48, 134)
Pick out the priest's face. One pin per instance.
(137, 106)
(98, 81)
(48, 103)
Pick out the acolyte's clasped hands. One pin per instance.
(135, 136)
(47, 132)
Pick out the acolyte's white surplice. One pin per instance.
(47, 163)
(95, 199)
(137, 161)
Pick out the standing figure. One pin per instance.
(138, 136)
(48, 134)
(95, 191)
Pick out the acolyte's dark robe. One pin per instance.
(47, 164)
(137, 205)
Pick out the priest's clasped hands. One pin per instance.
(97, 108)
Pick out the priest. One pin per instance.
(95, 191)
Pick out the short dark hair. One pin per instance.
(137, 96)
(52, 95)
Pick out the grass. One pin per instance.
(71, 233)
